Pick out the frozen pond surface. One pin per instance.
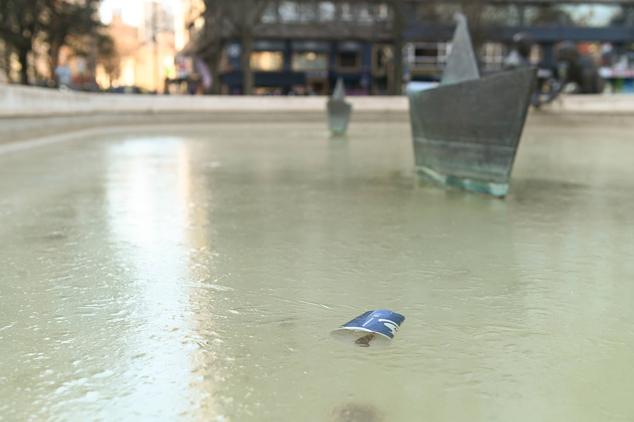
(195, 274)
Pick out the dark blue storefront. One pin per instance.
(303, 67)
(356, 61)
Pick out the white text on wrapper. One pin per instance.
(390, 325)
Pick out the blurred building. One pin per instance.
(190, 20)
(127, 42)
(146, 51)
(303, 46)
(74, 69)
(187, 65)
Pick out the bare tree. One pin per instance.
(243, 16)
(552, 15)
(25, 22)
(108, 56)
(474, 11)
(19, 26)
(478, 13)
(398, 26)
(230, 18)
(211, 41)
(65, 20)
(5, 60)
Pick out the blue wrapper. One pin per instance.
(379, 324)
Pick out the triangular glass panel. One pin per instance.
(461, 63)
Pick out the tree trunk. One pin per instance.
(212, 59)
(23, 57)
(473, 10)
(397, 35)
(245, 61)
(53, 62)
(398, 67)
(214, 70)
(7, 63)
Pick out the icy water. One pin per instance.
(195, 274)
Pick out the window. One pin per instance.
(382, 12)
(547, 15)
(426, 52)
(382, 56)
(348, 60)
(427, 56)
(309, 61)
(270, 14)
(439, 13)
(431, 52)
(308, 12)
(267, 61)
(500, 15)
(537, 55)
(288, 11)
(293, 11)
(364, 14)
(594, 15)
(493, 55)
(345, 10)
(327, 11)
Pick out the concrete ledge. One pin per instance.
(594, 104)
(27, 112)
(20, 101)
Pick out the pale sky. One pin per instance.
(132, 10)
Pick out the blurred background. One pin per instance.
(301, 47)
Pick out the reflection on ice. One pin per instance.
(135, 267)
